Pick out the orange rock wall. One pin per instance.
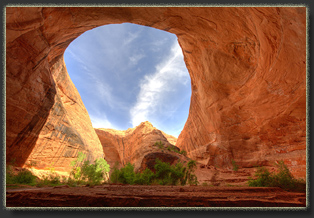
(249, 94)
(68, 129)
(247, 68)
(131, 145)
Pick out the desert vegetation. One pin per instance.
(83, 173)
(86, 173)
(23, 177)
(282, 178)
(165, 174)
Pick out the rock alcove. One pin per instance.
(248, 74)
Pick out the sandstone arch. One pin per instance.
(247, 68)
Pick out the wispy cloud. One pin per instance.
(155, 88)
(131, 36)
(101, 122)
(135, 58)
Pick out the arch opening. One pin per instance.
(127, 74)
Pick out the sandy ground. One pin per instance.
(153, 196)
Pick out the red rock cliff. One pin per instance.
(133, 144)
(247, 68)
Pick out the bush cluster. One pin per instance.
(165, 174)
(83, 172)
(23, 177)
(283, 179)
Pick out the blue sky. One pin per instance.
(127, 74)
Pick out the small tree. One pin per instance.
(177, 173)
(144, 178)
(163, 171)
(190, 176)
(76, 164)
(283, 179)
(84, 171)
(127, 174)
(95, 173)
(165, 174)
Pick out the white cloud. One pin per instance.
(98, 122)
(155, 88)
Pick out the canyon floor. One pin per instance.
(217, 188)
(113, 195)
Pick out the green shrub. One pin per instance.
(165, 174)
(190, 176)
(94, 173)
(51, 180)
(144, 178)
(178, 173)
(192, 165)
(87, 173)
(125, 175)
(71, 182)
(283, 179)
(23, 177)
(159, 144)
(235, 165)
(163, 171)
(263, 179)
(114, 177)
(26, 177)
(9, 175)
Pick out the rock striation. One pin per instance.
(136, 145)
(248, 77)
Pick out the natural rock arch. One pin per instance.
(247, 68)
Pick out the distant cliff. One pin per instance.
(135, 145)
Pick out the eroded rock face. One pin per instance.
(68, 129)
(247, 68)
(149, 160)
(134, 144)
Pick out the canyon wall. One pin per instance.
(248, 77)
(135, 145)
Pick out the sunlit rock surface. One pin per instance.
(135, 145)
(247, 68)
